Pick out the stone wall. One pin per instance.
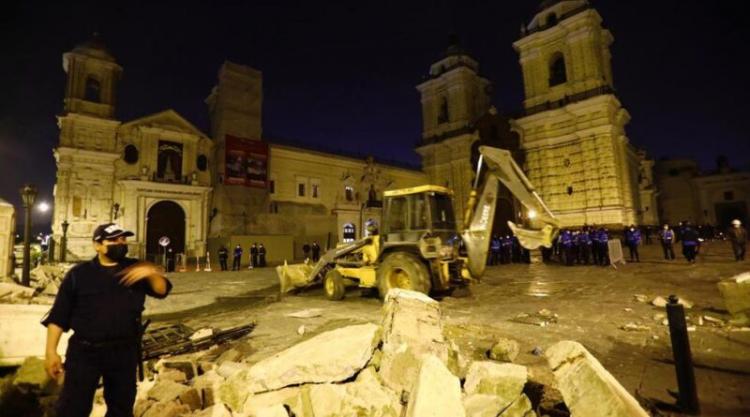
(7, 237)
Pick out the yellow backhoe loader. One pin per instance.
(418, 246)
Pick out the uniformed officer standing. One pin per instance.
(667, 239)
(237, 259)
(633, 240)
(495, 246)
(690, 242)
(315, 251)
(223, 256)
(738, 235)
(603, 246)
(261, 255)
(254, 255)
(566, 242)
(101, 300)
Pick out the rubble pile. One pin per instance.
(405, 366)
(45, 282)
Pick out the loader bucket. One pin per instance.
(294, 276)
(532, 239)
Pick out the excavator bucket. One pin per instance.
(294, 276)
(533, 239)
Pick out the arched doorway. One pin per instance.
(165, 218)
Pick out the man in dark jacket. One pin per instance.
(237, 258)
(102, 301)
(738, 236)
(633, 240)
(223, 256)
(315, 251)
(254, 255)
(690, 242)
(306, 250)
(261, 256)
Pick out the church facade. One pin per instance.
(161, 176)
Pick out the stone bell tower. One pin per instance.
(573, 127)
(454, 96)
(86, 154)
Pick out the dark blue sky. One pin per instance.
(342, 74)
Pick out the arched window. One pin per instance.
(349, 193)
(551, 20)
(93, 90)
(202, 162)
(443, 116)
(130, 154)
(557, 73)
(350, 233)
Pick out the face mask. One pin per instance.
(117, 252)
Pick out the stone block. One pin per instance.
(482, 405)
(232, 355)
(412, 329)
(31, 375)
(167, 409)
(285, 396)
(216, 410)
(436, 391)
(588, 389)
(187, 367)
(166, 390)
(172, 375)
(503, 380)
(141, 406)
(736, 293)
(331, 356)
(521, 407)
(273, 411)
(504, 350)
(192, 399)
(229, 368)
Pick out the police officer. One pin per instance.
(738, 236)
(237, 258)
(495, 245)
(223, 256)
(101, 300)
(261, 255)
(584, 246)
(603, 246)
(667, 239)
(566, 243)
(633, 240)
(690, 242)
(306, 250)
(254, 255)
(315, 251)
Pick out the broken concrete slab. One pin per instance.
(285, 396)
(229, 355)
(141, 406)
(216, 410)
(736, 293)
(503, 380)
(483, 405)
(521, 407)
(273, 411)
(363, 397)
(166, 390)
(21, 335)
(412, 329)
(589, 390)
(192, 399)
(504, 350)
(229, 368)
(306, 313)
(436, 391)
(331, 356)
(167, 409)
(31, 376)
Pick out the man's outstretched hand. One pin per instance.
(140, 271)
(53, 365)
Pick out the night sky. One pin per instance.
(342, 74)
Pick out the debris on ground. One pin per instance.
(641, 298)
(307, 313)
(403, 366)
(541, 318)
(635, 327)
(736, 294)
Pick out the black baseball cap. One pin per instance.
(110, 231)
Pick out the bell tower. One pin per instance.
(573, 127)
(86, 154)
(92, 79)
(454, 97)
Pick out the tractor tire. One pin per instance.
(333, 285)
(403, 270)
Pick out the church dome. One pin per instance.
(94, 48)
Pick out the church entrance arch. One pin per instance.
(503, 212)
(165, 218)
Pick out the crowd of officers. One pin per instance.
(589, 245)
(257, 254)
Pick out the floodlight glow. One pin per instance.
(43, 207)
(532, 214)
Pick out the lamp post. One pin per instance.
(64, 240)
(28, 195)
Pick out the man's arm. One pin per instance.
(52, 361)
(153, 274)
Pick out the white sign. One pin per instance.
(164, 241)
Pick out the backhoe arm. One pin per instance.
(480, 214)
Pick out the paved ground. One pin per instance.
(590, 303)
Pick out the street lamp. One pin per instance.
(28, 195)
(64, 240)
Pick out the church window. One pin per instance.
(93, 90)
(315, 190)
(300, 190)
(169, 162)
(350, 233)
(557, 73)
(570, 190)
(130, 154)
(202, 162)
(349, 193)
(443, 116)
(551, 20)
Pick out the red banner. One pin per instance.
(246, 162)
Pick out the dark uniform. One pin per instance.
(667, 240)
(223, 256)
(106, 318)
(690, 242)
(315, 251)
(261, 256)
(254, 255)
(237, 258)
